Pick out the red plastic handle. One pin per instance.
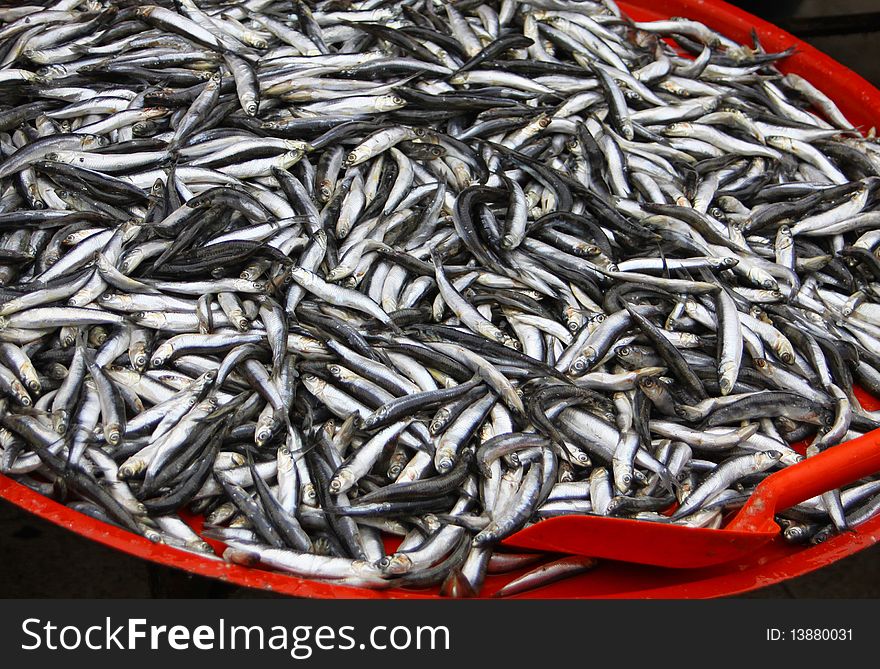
(835, 467)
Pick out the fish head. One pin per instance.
(302, 276)
(444, 460)
(242, 555)
(89, 142)
(314, 384)
(291, 157)
(342, 481)
(386, 103)
(263, 432)
(766, 459)
(679, 129)
(578, 456)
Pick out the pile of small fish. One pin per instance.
(329, 272)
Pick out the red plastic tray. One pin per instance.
(775, 562)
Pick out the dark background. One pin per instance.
(847, 30)
(38, 559)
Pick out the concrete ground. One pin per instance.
(811, 19)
